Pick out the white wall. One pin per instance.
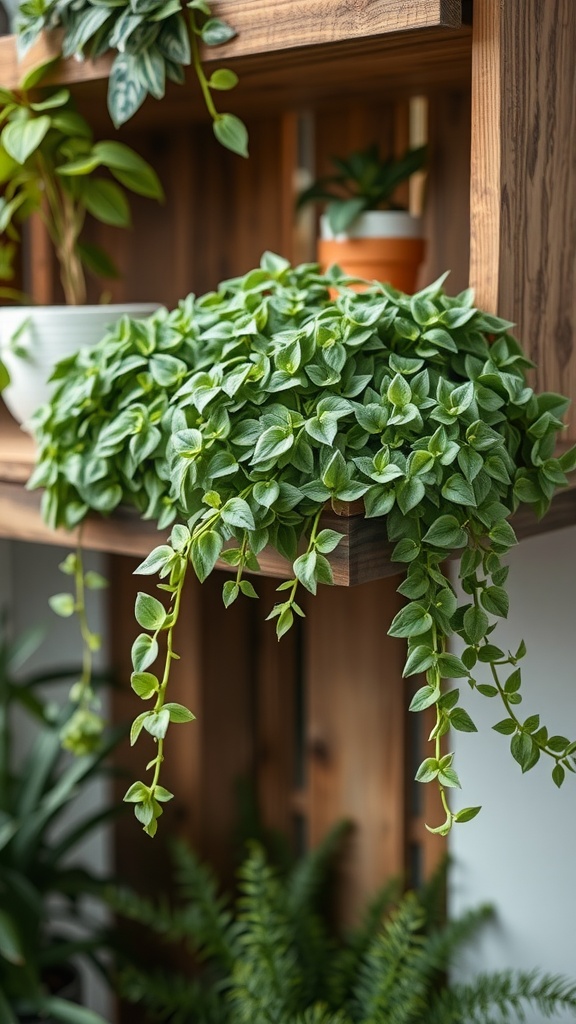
(519, 852)
(29, 575)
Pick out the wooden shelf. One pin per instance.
(362, 556)
(387, 45)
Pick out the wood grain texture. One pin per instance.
(285, 25)
(524, 179)
(356, 707)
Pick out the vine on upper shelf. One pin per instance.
(154, 41)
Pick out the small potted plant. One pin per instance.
(249, 409)
(51, 166)
(154, 42)
(364, 231)
(40, 950)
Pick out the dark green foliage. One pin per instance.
(39, 847)
(364, 181)
(390, 970)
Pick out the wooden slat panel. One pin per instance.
(356, 736)
(523, 166)
(447, 192)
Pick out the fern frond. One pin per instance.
(206, 921)
(443, 943)
(305, 888)
(173, 998)
(394, 975)
(345, 964)
(266, 980)
(320, 1013)
(504, 996)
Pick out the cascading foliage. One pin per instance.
(238, 416)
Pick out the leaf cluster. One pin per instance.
(239, 415)
(37, 865)
(154, 42)
(51, 165)
(273, 955)
(364, 181)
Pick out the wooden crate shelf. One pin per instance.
(362, 556)
(388, 46)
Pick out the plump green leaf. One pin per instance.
(413, 620)
(204, 553)
(63, 604)
(446, 532)
(231, 133)
(144, 652)
(179, 713)
(145, 684)
(23, 137)
(149, 612)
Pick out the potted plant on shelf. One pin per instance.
(154, 42)
(363, 230)
(46, 926)
(274, 954)
(239, 415)
(51, 166)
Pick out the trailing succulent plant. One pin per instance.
(238, 416)
(154, 40)
(272, 955)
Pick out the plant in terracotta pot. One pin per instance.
(363, 230)
(51, 166)
(154, 42)
(274, 953)
(237, 417)
(47, 927)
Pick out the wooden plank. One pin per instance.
(356, 705)
(288, 24)
(523, 195)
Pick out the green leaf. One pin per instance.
(424, 698)
(204, 553)
(458, 490)
(157, 560)
(327, 540)
(419, 659)
(10, 945)
(157, 722)
(460, 720)
(411, 621)
(223, 78)
(138, 791)
(106, 201)
(248, 590)
(23, 137)
(428, 770)
(451, 667)
(558, 775)
(63, 604)
(523, 750)
(144, 652)
(506, 727)
(145, 684)
(475, 624)
(95, 581)
(230, 592)
(399, 391)
(215, 32)
(237, 512)
(467, 814)
(446, 532)
(495, 600)
(149, 612)
(305, 570)
(179, 713)
(231, 133)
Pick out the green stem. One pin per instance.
(199, 70)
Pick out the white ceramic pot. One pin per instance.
(376, 224)
(34, 338)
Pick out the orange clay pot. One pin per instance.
(380, 245)
(395, 260)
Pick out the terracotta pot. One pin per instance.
(381, 245)
(34, 338)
